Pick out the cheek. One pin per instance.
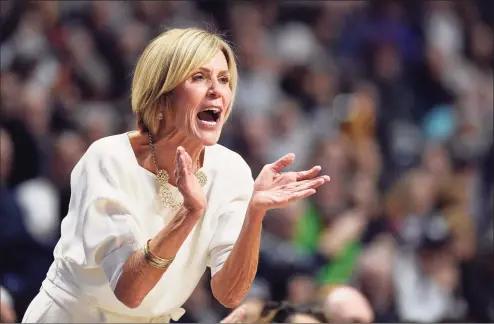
(227, 99)
(227, 96)
(190, 117)
(188, 100)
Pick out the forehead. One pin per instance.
(217, 63)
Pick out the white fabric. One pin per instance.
(444, 32)
(113, 211)
(5, 297)
(39, 201)
(419, 298)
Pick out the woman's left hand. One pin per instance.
(273, 189)
(187, 183)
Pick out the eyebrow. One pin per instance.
(209, 70)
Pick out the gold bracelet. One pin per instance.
(154, 260)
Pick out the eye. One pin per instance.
(198, 77)
(224, 79)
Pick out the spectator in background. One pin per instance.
(290, 133)
(7, 312)
(347, 305)
(337, 305)
(69, 147)
(23, 259)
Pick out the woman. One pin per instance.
(151, 209)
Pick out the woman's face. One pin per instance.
(200, 103)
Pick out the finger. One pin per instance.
(179, 167)
(301, 194)
(308, 184)
(176, 172)
(184, 166)
(177, 159)
(311, 184)
(308, 174)
(185, 157)
(318, 181)
(188, 161)
(282, 163)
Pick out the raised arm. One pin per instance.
(272, 189)
(139, 275)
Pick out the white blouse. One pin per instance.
(114, 210)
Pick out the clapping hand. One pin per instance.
(273, 189)
(187, 183)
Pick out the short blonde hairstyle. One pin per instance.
(167, 61)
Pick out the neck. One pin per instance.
(166, 144)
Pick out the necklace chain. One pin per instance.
(164, 193)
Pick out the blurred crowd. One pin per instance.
(394, 99)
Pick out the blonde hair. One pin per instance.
(167, 61)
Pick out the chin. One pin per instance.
(208, 139)
(209, 143)
(208, 134)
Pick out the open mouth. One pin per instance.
(209, 116)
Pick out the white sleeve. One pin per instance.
(232, 216)
(101, 230)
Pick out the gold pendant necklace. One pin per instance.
(164, 193)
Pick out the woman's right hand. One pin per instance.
(187, 183)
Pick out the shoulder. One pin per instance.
(108, 153)
(109, 146)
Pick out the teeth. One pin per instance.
(215, 110)
(208, 123)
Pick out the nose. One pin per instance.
(212, 93)
(213, 90)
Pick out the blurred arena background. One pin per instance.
(394, 99)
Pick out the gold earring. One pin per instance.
(160, 116)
